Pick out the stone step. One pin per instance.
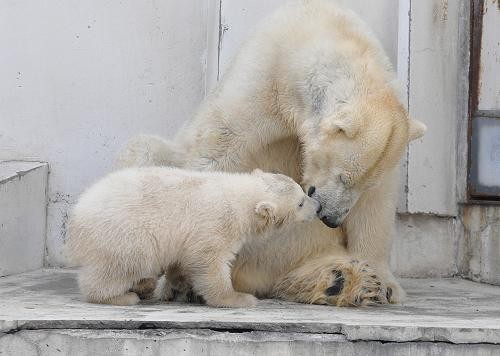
(23, 210)
(42, 312)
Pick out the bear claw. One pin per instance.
(389, 293)
(337, 288)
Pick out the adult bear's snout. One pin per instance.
(330, 222)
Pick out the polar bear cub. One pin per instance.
(135, 223)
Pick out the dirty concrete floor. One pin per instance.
(447, 310)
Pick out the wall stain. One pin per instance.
(481, 226)
(440, 12)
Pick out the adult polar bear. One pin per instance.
(312, 95)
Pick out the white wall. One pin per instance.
(77, 78)
(434, 98)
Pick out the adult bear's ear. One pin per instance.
(341, 122)
(416, 130)
(266, 210)
(257, 171)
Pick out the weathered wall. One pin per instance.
(239, 17)
(79, 78)
(481, 243)
(426, 246)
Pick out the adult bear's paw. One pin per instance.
(395, 293)
(341, 282)
(355, 283)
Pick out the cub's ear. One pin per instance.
(416, 130)
(257, 171)
(340, 123)
(267, 210)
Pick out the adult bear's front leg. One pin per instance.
(370, 228)
(332, 279)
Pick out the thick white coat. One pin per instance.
(138, 223)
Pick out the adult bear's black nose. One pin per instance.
(311, 191)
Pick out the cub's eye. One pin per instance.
(301, 204)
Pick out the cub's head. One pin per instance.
(284, 201)
(350, 151)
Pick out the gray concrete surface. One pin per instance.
(217, 343)
(447, 311)
(23, 205)
(481, 240)
(426, 246)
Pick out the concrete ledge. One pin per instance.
(23, 213)
(207, 342)
(447, 310)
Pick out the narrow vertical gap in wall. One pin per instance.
(403, 69)
(476, 27)
(408, 86)
(219, 47)
(45, 237)
(212, 52)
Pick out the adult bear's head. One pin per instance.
(348, 151)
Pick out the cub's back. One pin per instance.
(159, 200)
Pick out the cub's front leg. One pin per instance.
(212, 280)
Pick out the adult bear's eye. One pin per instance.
(301, 204)
(345, 179)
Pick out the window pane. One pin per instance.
(485, 158)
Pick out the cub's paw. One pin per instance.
(145, 288)
(234, 300)
(126, 299)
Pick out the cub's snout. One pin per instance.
(309, 210)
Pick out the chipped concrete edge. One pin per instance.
(402, 334)
(20, 173)
(352, 333)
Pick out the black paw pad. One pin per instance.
(192, 297)
(375, 299)
(389, 293)
(336, 289)
(175, 294)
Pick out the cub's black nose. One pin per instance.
(311, 191)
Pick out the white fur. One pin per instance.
(311, 94)
(135, 224)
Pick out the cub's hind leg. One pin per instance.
(99, 286)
